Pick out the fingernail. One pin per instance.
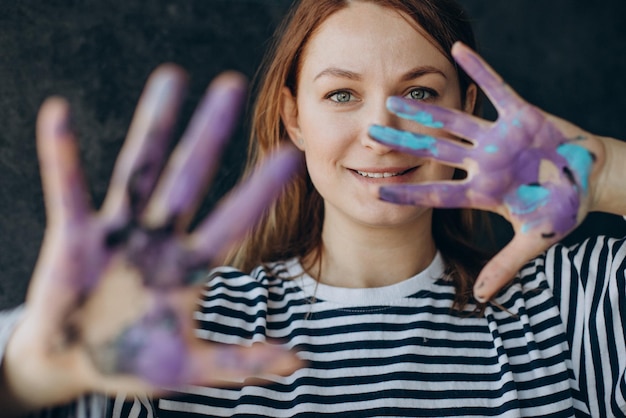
(64, 126)
(220, 109)
(478, 294)
(161, 84)
(480, 298)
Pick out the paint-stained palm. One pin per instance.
(528, 166)
(110, 305)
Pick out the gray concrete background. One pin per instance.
(566, 56)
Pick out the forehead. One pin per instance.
(365, 35)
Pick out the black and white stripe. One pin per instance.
(554, 345)
(556, 349)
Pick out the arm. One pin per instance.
(109, 306)
(609, 177)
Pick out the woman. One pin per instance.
(375, 298)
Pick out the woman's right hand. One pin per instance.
(109, 307)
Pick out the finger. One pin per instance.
(195, 158)
(65, 193)
(206, 365)
(443, 150)
(503, 267)
(458, 123)
(229, 364)
(440, 194)
(211, 364)
(143, 153)
(498, 92)
(243, 207)
(58, 280)
(444, 194)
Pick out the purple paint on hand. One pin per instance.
(521, 162)
(243, 207)
(143, 226)
(154, 349)
(197, 155)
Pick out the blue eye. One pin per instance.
(341, 96)
(421, 94)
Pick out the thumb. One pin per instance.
(503, 267)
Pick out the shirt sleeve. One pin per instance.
(588, 281)
(8, 321)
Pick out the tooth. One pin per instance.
(377, 175)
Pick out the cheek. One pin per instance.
(327, 152)
(327, 133)
(321, 122)
(321, 162)
(321, 175)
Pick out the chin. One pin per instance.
(391, 215)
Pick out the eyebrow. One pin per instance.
(420, 71)
(409, 75)
(338, 72)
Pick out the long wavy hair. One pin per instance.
(292, 227)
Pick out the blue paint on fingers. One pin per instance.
(425, 119)
(403, 109)
(403, 139)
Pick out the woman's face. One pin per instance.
(356, 59)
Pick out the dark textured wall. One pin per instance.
(566, 56)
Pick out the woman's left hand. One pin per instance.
(528, 166)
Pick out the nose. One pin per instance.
(377, 114)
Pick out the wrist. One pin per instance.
(29, 380)
(608, 191)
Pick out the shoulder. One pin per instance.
(234, 305)
(265, 275)
(271, 281)
(575, 273)
(591, 259)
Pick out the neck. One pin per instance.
(359, 256)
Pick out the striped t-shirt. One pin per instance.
(552, 345)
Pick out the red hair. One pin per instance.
(293, 225)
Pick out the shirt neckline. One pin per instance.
(366, 296)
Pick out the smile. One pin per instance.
(384, 174)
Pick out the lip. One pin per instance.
(384, 175)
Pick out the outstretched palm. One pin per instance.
(109, 307)
(528, 166)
